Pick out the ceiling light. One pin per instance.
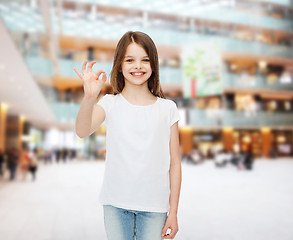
(262, 64)
(22, 117)
(4, 106)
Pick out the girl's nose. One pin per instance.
(138, 65)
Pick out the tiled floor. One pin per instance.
(215, 204)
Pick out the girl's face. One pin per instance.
(136, 67)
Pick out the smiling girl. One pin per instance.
(142, 179)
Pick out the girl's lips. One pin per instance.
(137, 74)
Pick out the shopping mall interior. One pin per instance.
(228, 66)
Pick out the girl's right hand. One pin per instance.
(92, 85)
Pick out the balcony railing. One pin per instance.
(44, 67)
(67, 112)
(231, 118)
(258, 82)
(281, 2)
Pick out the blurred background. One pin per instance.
(228, 65)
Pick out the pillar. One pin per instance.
(14, 131)
(21, 120)
(3, 117)
(186, 142)
(228, 140)
(266, 136)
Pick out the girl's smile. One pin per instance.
(137, 74)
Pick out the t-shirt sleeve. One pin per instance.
(106, 102)
(174, 113)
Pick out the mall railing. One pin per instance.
(225, 44)
(44, 67)
(13, 13)
(279, 2)
(259, 82)
(18, 20)
(67, 112)
(231, 118)
(212, 12)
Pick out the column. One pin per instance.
(3, 117)
(186, 141)
(266, 137)
(228, 140)
(14, 131)
(21, 120)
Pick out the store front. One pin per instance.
(207, 142)
(282, 143)
(248, 140)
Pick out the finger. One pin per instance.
(100, 72)
(90, 66)
(84, 67)
(168, 233)
(164, 231)
(171, 235)
(78, 73)
(104, 77)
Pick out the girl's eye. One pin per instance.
(146, 60)
(129, 60)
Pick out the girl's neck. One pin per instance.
(137, 96)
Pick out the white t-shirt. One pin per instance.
(137, 153)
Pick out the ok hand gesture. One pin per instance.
(92, 85)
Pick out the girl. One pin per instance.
(142, 180)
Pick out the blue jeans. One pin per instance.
(123, 224)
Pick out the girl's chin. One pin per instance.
(137, 81)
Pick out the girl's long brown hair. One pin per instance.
(117, 79)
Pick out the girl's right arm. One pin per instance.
(90, 115)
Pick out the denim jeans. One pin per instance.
(123, 224)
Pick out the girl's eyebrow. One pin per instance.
(133, 56)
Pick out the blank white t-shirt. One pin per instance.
(137, 163)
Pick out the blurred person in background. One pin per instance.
(58, 155)
(248, 159)
(24, 162)
(48, 155)
(64, 154)
(39, 153)
(142, 135)
(195, 157)
(12, 162)
(210, 153)
(222, 158)
(2, 160)
(33, 164)
(91, 54)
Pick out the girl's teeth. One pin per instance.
(137, 74)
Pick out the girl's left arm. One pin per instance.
(175, 183)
